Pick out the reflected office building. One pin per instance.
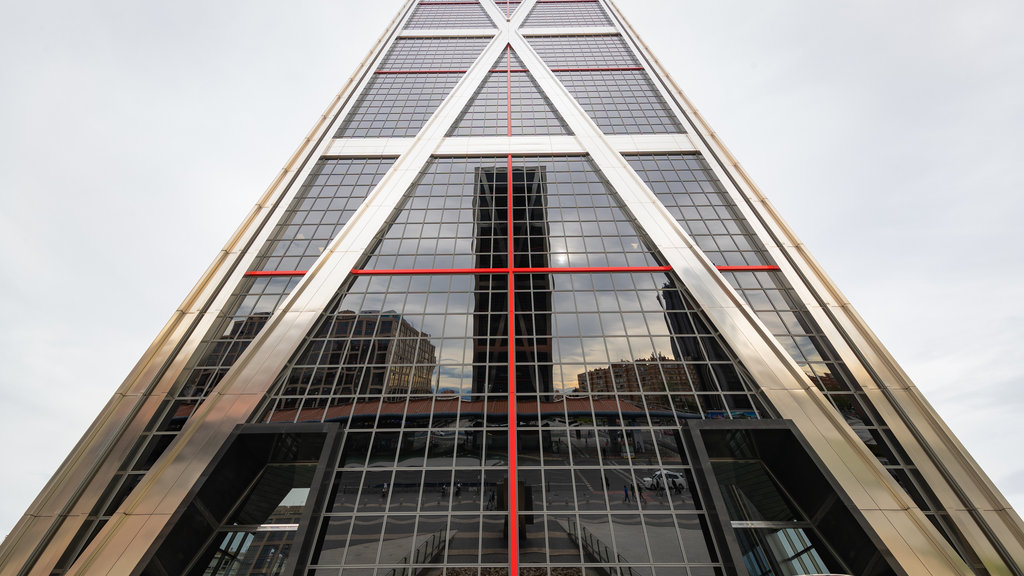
(514, 310)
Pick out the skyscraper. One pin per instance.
(625, 243)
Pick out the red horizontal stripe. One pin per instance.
(276, 273)
(419, 72)
(746, 268)
(589, 269)
(592, 269)
(432, 271)
(596, 69)
(592, 69)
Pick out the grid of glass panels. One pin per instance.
(326, 201)
(576, 219)
(395, 105)
(509, 102)
(621, 101)
(609, 365)
(418, 54)
(604, 76)
(321, 207)
(449, 15)
(631, 344)
(414, 78)
(687, 186)
(603, 51)
(554, 13)
(507, 7)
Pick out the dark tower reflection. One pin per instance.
(490, 310)
(531, 291)
(686, 344)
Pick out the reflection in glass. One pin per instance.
(608, 367)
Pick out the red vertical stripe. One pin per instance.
(508, 84)
(513, 476)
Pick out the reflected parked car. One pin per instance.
(665, 479)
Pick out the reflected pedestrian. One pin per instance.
(625, 493)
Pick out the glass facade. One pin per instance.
(559, 13)
(419, 370)
(472, 358)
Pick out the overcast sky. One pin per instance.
(136, 135)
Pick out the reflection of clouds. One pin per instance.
(607, 302)
(661, 344)
(641, 346)
(416, 303)
(590, 324)
(394, 302)
(562, 301)
(618, 348)
(633, 323)
(611, 324)
(372, 302)
(453, 351)
(629, 301)
(565, 378)
(594, 351)
(568, 350)
(455, 377)
(566, 325)
(432, 325)
(457, 325)
(586, 302)
(460, 302)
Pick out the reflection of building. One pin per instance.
(657, 377)
(531, 293)
(631, 230)
(383, 354)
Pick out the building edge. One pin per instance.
(913, 410)
(25, 550)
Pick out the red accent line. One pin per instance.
(579, 270)
(513, 476)
(508, 80)
(276, 273)
(592, 269)
(431, 271)
(513, 486)
(746, 268)
(509, 70)
(420, 72)
(596, 69)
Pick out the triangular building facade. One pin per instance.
(513, 308)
